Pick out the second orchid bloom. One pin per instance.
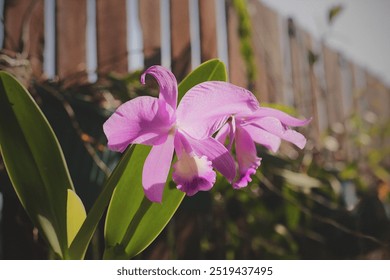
(188, 128)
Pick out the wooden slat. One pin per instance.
(268, 50)
(111, 23)
(30, 44)
(334, 88)
(13, 18)
(321, 94)
(334, 98)
(312, 91)
(307, 98)
(208, 29)
(149, 12)
(180, 38)
(71, 41)
(296, 61)
(261, 80)
(378, 98)
(237, 69)
(37, 40)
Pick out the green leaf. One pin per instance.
(212, 70)
(75, 215)
(81, 241)
(133, 222)
(34, 162)
(334, 12)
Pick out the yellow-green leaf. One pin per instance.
(75, 215)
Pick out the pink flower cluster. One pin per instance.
(230, 112)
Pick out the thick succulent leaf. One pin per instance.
(34, 162)
(133, 222)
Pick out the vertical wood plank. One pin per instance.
(71, 22)
(306, 48)
(29, 15)
(268, 51)
(149, 12)
(312, 91)
(261, 80)
(237, 69)
(334, 89)
(334, 98)
(378, 98)
(111, 20)
(296, 61)
(37, 40)
(180, 38)
(208, 29)
(14, 12)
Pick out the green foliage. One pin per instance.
(75, 215)
(334, 12)
(34, 162)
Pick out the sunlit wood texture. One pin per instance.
(180, 38)
(208, 29)
(378, 96)
(23, 34)
(334, 99)
(111, 36)
(266, 30)
(300, 47)
(352, 107)
(149, 14)
(237, 68)
(333, 85)
(310, 85)
(71, 22)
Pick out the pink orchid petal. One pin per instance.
(275, 127)
(223, 133)
(156, 169)
(143, 120)
(167, 83)
(217, 154)
(263, 137)
(207, 106)
(281, 116)
(192, 172)
(247, 159)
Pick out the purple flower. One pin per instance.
(186, 129)
(265, 126)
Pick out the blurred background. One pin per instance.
(321, 59)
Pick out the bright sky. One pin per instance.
(361, 31)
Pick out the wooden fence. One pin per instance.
(291, 67)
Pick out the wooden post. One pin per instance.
(23, 34)
(180, 38)
(208, 29)
(334, 99)
(149, 12)
(237, 69)
(71, 41)
(334, 89)
(111, 36)
(268, 52)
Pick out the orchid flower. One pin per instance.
(266, 126)
(168, 128)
